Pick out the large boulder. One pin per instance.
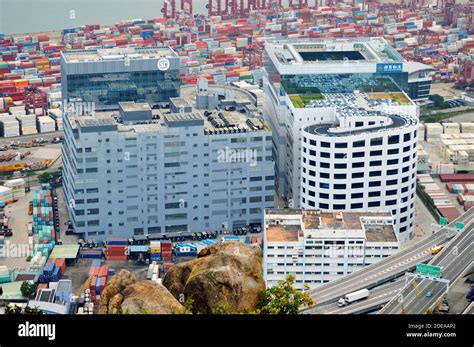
(124, 294)
(117, 284)
(227, 274)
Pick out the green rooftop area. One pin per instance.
(65, 251)
(301, 100)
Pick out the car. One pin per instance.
(436, 249)
(429, 294)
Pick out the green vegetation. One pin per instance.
(28, 289)
(284, 298)
(16, 309)
(50, 177)
(301, 100)
(438, 102)
(291, 88)
(431, 117)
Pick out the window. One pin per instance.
(357, 195)
(374, 204)
(358, 205)
(339, 196)
(357, 165)
(323, 206)
(391, 192)
(393, 151)
(340, 155)
(376, 142)
(357, 175)
(392, 162)
(393, 139)
(373, 194)
(391, 202)
(391, 182)
(339, 207)
(339, 186)
(357, 185)
(376, 163)
(325, 155)
(325, 144)
(358, 144)
(392, 172)
(340, 166)
(375, 153)
(375, 184)
(407, 137)
(341, 145)
(375, 173)
(339, 176)
(324, 196)
(324, 165)
(324, 175)
(358, 155)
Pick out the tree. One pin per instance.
(28, 289)
(438, 101)
(1, 291)
(17, 309)
(45, 177)
(284, 299)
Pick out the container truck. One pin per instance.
(354, 296)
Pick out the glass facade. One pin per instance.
(108, 89)
(343, 83)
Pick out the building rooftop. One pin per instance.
(117, 53)
(134, 106)
(377, 225)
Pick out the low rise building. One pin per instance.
(320, 246)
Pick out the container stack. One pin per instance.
(165, 268)
(86, 253)
(185, 250)
(116, 249)
(98, 277)
(166, 250)
(437, 197)
(60, 264)
(9, 126)
(4, 274)
(155, 251)
(451, 128)
(57, 115)
(43, 217)
(467, 127)
(27, 124)
(50, 273)
(433, 131)
(46, 124)
(421, 132)
(18, 187)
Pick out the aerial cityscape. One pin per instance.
(239, 157)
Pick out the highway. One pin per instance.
(457, 255)
(377, 298)
(383, 271)
(28, 138)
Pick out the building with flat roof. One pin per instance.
(195, 170)
(344, 129)
(106, 77)
(319, 246)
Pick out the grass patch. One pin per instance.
(301, 100)
(438, 117)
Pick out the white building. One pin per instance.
(320, 246)
(343, 124)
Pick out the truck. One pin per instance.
(354, 296)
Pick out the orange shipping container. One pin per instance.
(21, 83)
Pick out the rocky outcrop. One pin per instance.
(124, 294)
(227, 274)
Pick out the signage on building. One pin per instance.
(390, 68)
(163, 64)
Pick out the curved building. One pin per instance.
(363, 160)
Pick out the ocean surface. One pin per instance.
(29, 16)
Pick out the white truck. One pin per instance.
(354, 296)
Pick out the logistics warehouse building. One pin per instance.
(344, 128)
(320, 246)
(140, 171)
(106, 77)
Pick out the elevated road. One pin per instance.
(457, 255)
(378, 297)
(385, 270)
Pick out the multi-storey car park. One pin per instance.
(187, 168)
(109, 76)
(320, 246)
(344, 128)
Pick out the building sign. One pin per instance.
(163, 64)
(390, 68)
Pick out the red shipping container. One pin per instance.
(94, 271)
(104, 271)
(61, 264)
